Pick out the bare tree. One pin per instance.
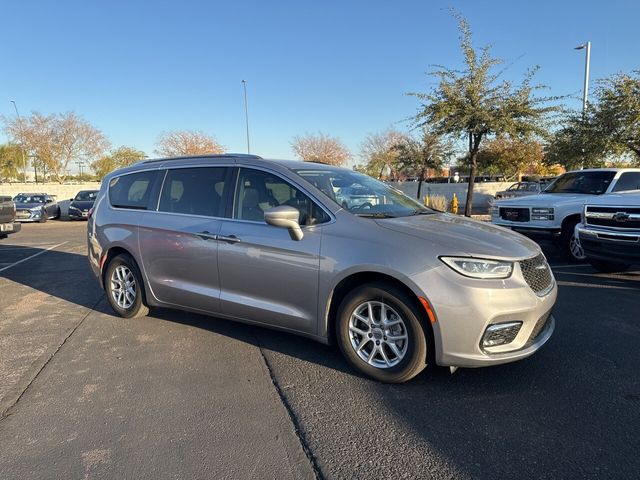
(379, 150)
(186, 142)
(320, 148)
(58, 139)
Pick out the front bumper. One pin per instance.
(78, 215)
(610, 245)
(33, 216)
(466, 307)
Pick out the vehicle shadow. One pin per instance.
(571, 410)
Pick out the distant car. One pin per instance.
(36, 207)
(356, 197)
(521, 189)
(81, 204)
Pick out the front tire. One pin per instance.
(124, 288)
(570, 244)
(380, 333)
(43, 216)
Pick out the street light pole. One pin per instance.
(24, 161)
(587, 61)
(246, 113)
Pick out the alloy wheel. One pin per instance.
(378, 334)
(123, 286)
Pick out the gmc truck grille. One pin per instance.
(514, 214)
(620, 218)
(537, 274)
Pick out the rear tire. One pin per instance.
(124, 288)
(380, 333)
(604, 266)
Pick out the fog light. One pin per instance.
(500, 334)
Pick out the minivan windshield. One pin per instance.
(591, 183)
(361, 194)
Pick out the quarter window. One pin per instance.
(132, 191)
(194, 191)
(259, 191)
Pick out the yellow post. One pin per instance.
(426, 200)
(454, 204)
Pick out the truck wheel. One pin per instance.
(570, 244)
(608, 267)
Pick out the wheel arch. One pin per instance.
(113, 252)
(568, 219)
(355, 279)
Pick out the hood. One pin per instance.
(28, 206)
(454, 235)
(630, 198)
(546, 200)
(82, 204)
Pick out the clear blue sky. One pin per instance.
(135, 69)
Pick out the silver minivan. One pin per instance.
(395, 284)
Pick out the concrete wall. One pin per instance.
(483, 192)
(62, 192)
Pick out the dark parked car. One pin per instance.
(81, 204)
(36, 207)
(7, 217)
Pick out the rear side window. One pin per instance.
(132, 191)
(194, 191)
(627, 181)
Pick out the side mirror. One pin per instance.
(285, 216)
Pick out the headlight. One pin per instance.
(494, 210)
(542, 213)
(479, 267)
(36, 209)
(71, 207)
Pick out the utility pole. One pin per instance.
(24, 160)
(587, 61)
(80, 164)
(246, 113)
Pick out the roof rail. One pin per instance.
(208, 155)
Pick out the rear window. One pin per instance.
(132, 191)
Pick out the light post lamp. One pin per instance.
(24, 160)
(587, 60)
(246, 113)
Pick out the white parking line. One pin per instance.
(30, 257)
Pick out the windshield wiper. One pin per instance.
(376, 215)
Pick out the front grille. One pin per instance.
(537, 274)
(616, 217)
(514, 214)
(540, 324)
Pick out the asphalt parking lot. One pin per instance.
(86, 394)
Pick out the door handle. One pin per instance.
(229, 239)
(207, 236)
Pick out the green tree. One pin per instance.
(10, 162)
(475, 103)
(609, 131)
(120, 157)
(512, 157)
(417, 156)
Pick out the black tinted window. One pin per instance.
(627, 181)
(132, 191)
(259, 191)
(590, 182)
(194, 191)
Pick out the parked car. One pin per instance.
(81, 204)
(356, 197)
(396, 285)
(609, 232)
(36, 207)
(520, 189)
(8, 224)
(556, 211)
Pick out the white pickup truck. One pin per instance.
(556, 211)
(609, 233)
